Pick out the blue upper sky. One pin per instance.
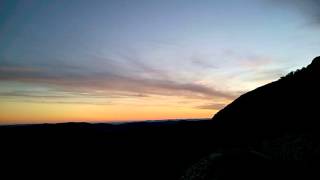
(204, 49)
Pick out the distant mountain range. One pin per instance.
(248, 139)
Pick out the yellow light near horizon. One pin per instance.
(27, 112)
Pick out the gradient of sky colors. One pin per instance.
(122, 60)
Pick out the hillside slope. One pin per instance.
(272, 132)
(290, 103)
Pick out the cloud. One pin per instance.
(268, 74)
(51, 101)
(105, 82)
(16, 69)
(106, 77)
(212, 106)
(309, 8)
(29, 94)
(202, 61)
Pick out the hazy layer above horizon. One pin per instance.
(124, 60)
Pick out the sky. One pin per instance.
(129, 60)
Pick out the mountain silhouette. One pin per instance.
(289, 104)
(278, 121)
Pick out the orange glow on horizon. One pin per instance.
(33, 112)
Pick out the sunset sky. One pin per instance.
(127, 60)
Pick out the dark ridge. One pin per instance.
(262, 128)
(286, 104)
(137, 150)
(316, 62)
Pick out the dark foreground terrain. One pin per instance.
(269, 133)
(146, 150)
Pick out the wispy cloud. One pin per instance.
(17, 69)
(109, 78)
(52, 101)
(29, 94)
(127, 75)
(111, 82)
(309, 8)
(202, 63)
(212, 106)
